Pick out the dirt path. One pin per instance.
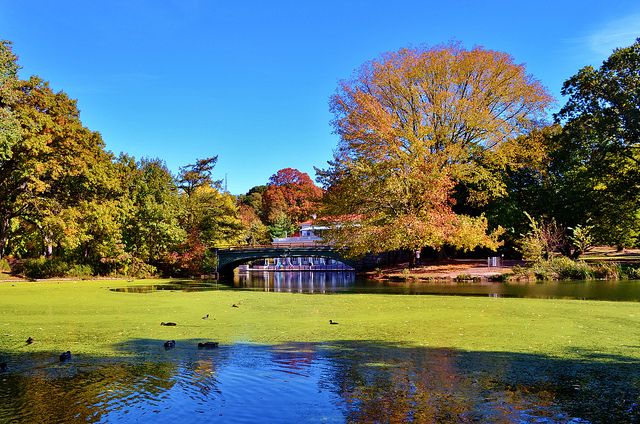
(450, 269)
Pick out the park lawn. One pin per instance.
(87, 318)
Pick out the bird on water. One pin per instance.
(168, 324)
(332, 322)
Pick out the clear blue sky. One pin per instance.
(250, 80)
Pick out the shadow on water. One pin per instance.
(353, 381)
(176, 285)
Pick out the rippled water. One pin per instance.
(342, 382)
(347, 381)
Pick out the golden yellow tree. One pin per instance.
(413, 125)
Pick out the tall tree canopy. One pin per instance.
(292, 193)
(415, 124)
(198, 175)
(48, 159)
(596, 160)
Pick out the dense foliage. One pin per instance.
(421, 130)
(277, 209)
(439, 147)
(77, 209)
(587, 181)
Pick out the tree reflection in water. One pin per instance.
(353, 381)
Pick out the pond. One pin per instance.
(347, 282)
(339, 382)
(342, 380)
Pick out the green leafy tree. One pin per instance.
(197, 175)
(152, 227)
(281, 226)
(211, 219)
(595, 162)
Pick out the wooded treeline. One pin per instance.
(69, 207)
(450, 148)
(440, 147)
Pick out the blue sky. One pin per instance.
(250, 80)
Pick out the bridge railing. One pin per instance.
(274, 246)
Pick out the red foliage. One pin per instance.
(292, 192)
(189, 257)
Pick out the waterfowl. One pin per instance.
(168, 324)
(206, 316)
(3, 366)
(65, 356)
(207, 345)
(333, 322)
(234, 306)
(169, 344)
(29, 340)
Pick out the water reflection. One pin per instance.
(347, 282)
(298, 282)
(345, 381)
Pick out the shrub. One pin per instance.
(543, 240)
(607, 270)
(80, 271)
(465, 278)
(568, 269)
(562, 268)
(140, 269)
(45, 268)
(631, 272)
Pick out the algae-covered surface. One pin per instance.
(88, 317)
(390, 358)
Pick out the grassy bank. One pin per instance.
(86, 317)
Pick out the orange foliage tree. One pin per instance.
(416, 123)
(293, 193)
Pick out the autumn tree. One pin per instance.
(292, 193)
(253, 200)
(256, 232)
(48, 159)
(414, 126)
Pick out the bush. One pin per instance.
(465, 278)
(4, 265)
(140, 269)
(80, 271)
(45, 268)
(607, 271)
(631, 272)
(568, 269)
(562, 268)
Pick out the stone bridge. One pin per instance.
(230, 258)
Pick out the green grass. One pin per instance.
(85, 317)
